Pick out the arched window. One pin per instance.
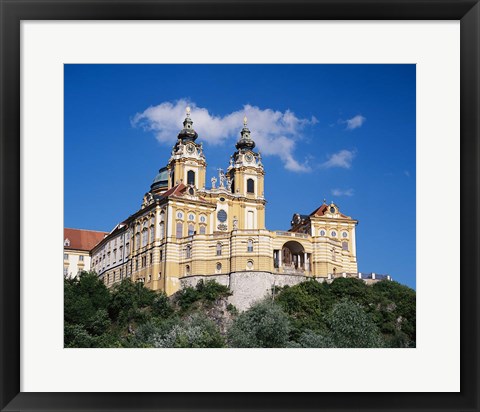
(191, 230)
(187, 269)
(190, 177)
(250, 186)
(162, 230)
(144, 237)
(250, 245)
(219, 249)
(345, 245)
(188, 252)
(202, 230)
(137, 240)
(152, 234)
(179, 229)
(218, 268)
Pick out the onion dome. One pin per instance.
(161, 179)
(245, 141)
(187, 133)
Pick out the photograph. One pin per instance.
(239, 206)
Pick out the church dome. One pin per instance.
(245, 142)
(187, 133)
(161, 179)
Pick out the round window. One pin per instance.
(345, 234)
(191, 217)
(219, 267)
(322, 233)
(191, 191)
(180, 215)
(203, 219)
(332, 210)
(222, 199)
(250, 264)
(334, 234)
(222, 216)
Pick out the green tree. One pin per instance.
(196, 331)
(264, 325)
(351, 327)
(127, 301)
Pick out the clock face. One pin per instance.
(249, 158)
(190, 148)
(332, 210)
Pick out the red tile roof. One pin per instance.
(174, 191)
(324, 208)
(82, 239)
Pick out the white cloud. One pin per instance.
(355, 122)
(343, 159)
(342, 192)
(274, 132)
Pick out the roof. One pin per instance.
(174, 191)
(319, 212)
(81, 239)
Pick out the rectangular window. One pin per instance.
(161, 255)
(80, 258)
(152, 234)
(151, 258)
(65, 256)
(179, 230)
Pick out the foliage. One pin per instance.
(351, 327)
(345, 313)
(205, 292)
(264, 325)
(196, 331)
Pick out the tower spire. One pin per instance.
(245, 142)
(187, 133)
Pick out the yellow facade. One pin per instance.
(184, 229)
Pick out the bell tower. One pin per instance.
(187, 163)
(247, 176)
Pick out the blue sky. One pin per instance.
(341, 132)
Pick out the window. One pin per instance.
(144, 237)
(66, 242)
(136, 264)
(120, 253)
(188, 252)
(334, 234)
(190, 177)
(322, 232)
(162, 216)
(202, 230)
(65, 256)
(152, 220)
(162, 230)
(80, 258)
(219, 267)
(219, 249)
(345, 245)
(250, 264)
(180, 215)
(344, 234)
(137, 240)
(151, 258)
(114, 255)
(191, 216)
(187, 269)
(250, 245)
(203, 219)
(191, 230)
(152, 234)
(179, 229)
(250, 186)
(127, 249)
(65, 271)
(161, 255)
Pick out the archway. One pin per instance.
(293, 256)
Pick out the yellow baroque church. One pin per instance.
(185, 232)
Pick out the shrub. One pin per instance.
(264, 325)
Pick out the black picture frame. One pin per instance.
(13, 11)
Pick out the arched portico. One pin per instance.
(292, 257)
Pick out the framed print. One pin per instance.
(360, 112)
